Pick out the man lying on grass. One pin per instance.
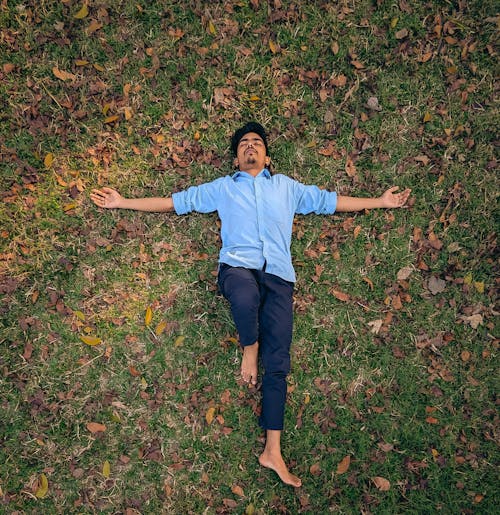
(256, 275)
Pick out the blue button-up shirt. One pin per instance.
(256, 216)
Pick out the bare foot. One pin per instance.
(249, 363)
(276, 463)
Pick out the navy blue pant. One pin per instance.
(262, 309)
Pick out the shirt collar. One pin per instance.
(264, 173)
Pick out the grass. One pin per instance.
(400, 377)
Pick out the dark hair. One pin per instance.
(249, 127)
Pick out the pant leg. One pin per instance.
(240, 287)
(275, 337)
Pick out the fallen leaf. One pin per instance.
(82, 13)
(49, 159)
(343, 466)
(350, 167)
(344, 297)
(432, 420)
(422, 159)
(237, 490)
(372, 103)
(273, 46)
(479, 285)
(376, 325)
(91, 340)
(106, 469)
(401, 34)
(95, 427)
(465, 356)
(381, 483)
(209, 415)
(160, 328)
(369, 282)
(62, 75)
(148, 317)
(404, 273)
(43, 487)
(315, 469)
(179, 341)
(211, 28)
(474, 320)
(436, 285)
(133, 371)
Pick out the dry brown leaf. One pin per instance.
(343, 466)
(95, 427)
(343, 297)
(62, 75)
(315, 469)
(237, 490)
(381, 483)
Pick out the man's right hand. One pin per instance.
(107, 198)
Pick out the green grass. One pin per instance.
(398, 378)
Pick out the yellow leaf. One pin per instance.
(106, 107)
(49, 159)
(179, 341)
(91, 340)
(357, 230)
(82, 13)
(468, 278)
(144, 383)
(427, 117)
(307, 399)
(273, 46)
(160, 328)
(254, 98)
(148, 317)
(111, 119)
(69, 207)
(98, 67)
(394, 22)
(79, 315)
(128, 113)
(43, 487)
(209, 416)
(211, 28)
(479, 286)
(81, 62)
(106, 469)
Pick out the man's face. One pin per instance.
(251, 152)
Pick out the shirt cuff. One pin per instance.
(180, 205)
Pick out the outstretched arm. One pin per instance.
(111, 199)
(390, 199)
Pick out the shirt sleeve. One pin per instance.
(203, 198)
(311, 199)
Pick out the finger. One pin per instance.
(108, 190)
(393, 189)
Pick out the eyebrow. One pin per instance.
(257, 138)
